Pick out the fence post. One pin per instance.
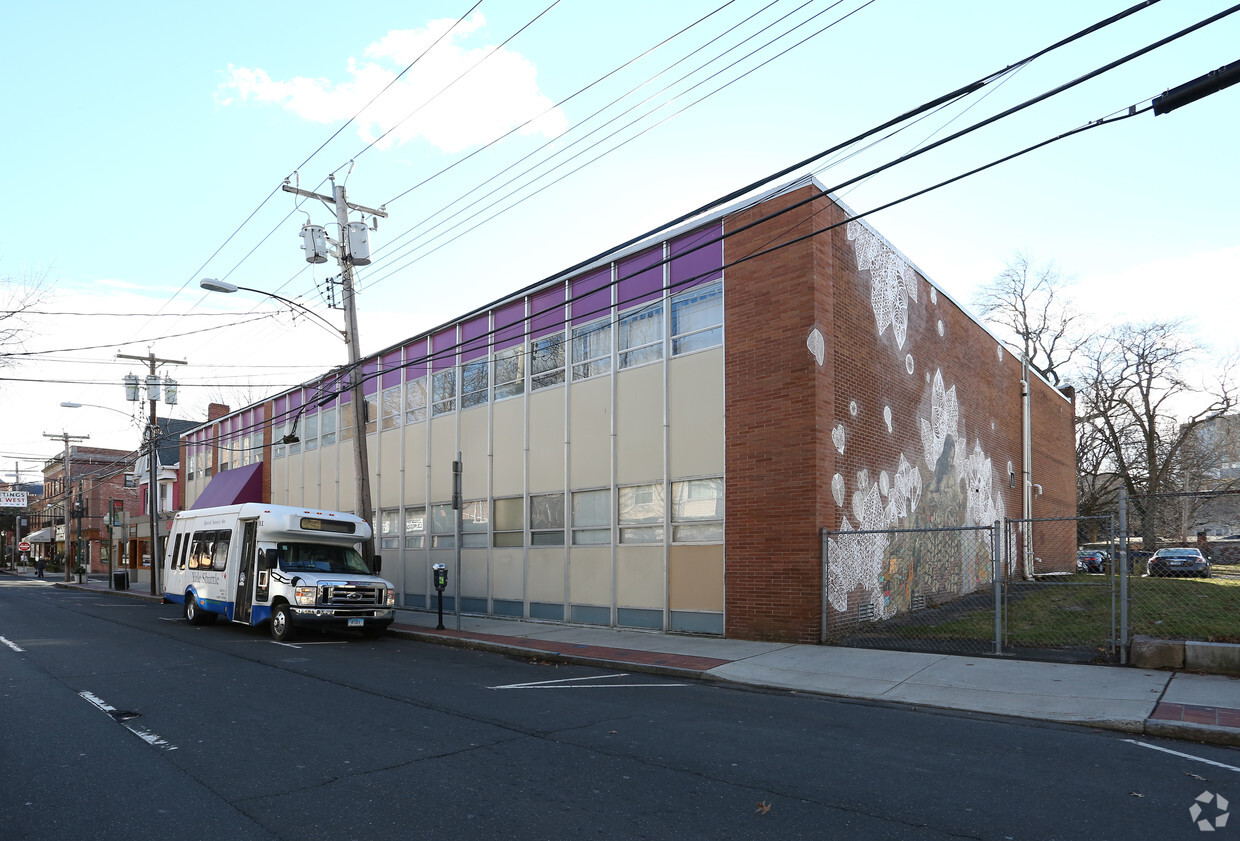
(998, 545)
(823, 583)
(1123, 577)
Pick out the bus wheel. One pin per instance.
(281, 625)
(193, 613)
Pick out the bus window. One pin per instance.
(219, 555)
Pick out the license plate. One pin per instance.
(356, 623)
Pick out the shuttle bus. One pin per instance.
(290, 567)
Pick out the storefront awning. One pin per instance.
(232, 487)
(40, 536)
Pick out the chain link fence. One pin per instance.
(1075, 589)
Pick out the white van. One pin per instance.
(292, 567)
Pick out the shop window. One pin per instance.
(697, 318)
(415, 400)
(591, 350)
(591, 518)
(641, 510)
(547, 520)
(639, 336)
(310, 423)
(389, 529)
(391, 408)
(443, 526)
(547, 361)
(697, 511)
(509, 522)
(443, 392)
(509, 372)
(415, 528)
(474, 524)
(474, 386)
(327, 426)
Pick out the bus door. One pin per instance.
(245, 572)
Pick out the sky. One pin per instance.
(146, 145)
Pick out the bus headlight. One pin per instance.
(391, 597)
(305, 595)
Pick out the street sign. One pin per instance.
(12, 499)
(24, 546)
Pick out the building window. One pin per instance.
(509, 522)
(391, 408)
(547, 520)
(443, 392)
(639, 336)
(346, 421)
(415, 400)
(277, 437)
(327, 424)
(474, 386)
(443, 526)
(591, 518)
(509, 372)
(547, 361)
(697, 511)
(415, 528)
(641, 512)
(311, 436)
(389, 529)
(371, 404)
(697, 318)
(591, 350)
(475, 521)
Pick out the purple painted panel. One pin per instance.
(475, 334)
(415, 360)
(592, 295)
(233, 487)
(641, 278)
(547, 311)
(294, 403)
(370, 376)
(281, 407)
(443, 349)
(510, 325)
(698, 262)
(391, 369)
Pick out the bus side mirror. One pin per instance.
(267, 559)
(378, 564)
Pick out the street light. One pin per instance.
(361, 457)
(213, 285)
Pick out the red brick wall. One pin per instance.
(782, 409)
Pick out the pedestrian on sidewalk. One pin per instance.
(39, 566)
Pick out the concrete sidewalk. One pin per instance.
(1178, 705)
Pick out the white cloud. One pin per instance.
(499, 94)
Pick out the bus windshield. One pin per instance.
(314, 557)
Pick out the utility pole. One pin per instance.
(152, 432)
(66, 437)
(346, 259)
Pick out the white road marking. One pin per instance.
(1184, 755)
(145, 735)
(574, 683)
(11, 645)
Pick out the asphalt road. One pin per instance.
(122, 722)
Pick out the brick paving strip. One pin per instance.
(1196, 714)
(679, 662)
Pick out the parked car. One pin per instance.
(1179, 562)
(1091, 561)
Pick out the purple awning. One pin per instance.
(232, 487)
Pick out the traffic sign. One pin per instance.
(24, 546)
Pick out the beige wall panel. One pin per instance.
(473, 574)
(590, 433)
(508, 425)
(590, 575)
(388, 467)
(546, 574)
(347, 479)
(474, 452)
(415, 571)
(640, 577)
(443, 453)
(695, 578)
(508, 574)
(328, 472)
(547, 440)
(312, 493)
(639, 425)
(279, 480)
(372, 461)
(415, 464)
(696, 414)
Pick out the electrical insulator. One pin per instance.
(359, 243)
(314, 242)
(131, 388)
(170, 391)
(152, 387)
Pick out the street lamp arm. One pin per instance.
(212, 285)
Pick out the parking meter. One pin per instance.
(441, 584)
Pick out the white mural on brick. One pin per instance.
(873, 564)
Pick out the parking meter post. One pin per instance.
(441, 584)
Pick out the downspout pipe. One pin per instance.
(1026, 467)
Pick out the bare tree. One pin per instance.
(1030, 304)
(1134, 384)
(18, 296)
